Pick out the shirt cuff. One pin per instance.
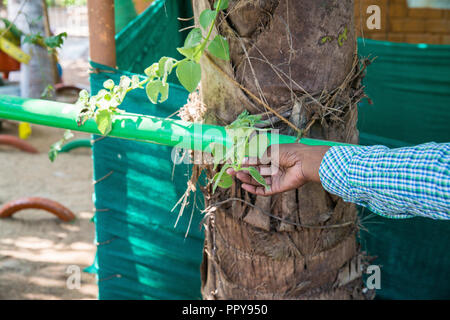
(333, 171)
(340, 166)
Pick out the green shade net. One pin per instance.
(124, 13)
(410, 89)
(141, 256)
(153, 34)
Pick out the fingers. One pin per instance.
(260, 191)
(251, 185)
(263, 170)
(245, 177)
(267, 156)
(254, 161)
(266, 171)
(251, 161)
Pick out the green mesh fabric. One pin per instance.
(153, 34)
(410, 89)
(124, 13)
(140, 254)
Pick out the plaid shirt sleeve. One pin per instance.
(395, 183)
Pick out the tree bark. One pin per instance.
(48, 33)
(298, 57)
(37, 74)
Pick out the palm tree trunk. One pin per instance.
(298, 57)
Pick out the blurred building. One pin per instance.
(405, 21)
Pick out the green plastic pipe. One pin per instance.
(170, 132)
(79, 143)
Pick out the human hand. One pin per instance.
(284, 167)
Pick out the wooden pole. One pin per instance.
(141, 5)
(102, 44)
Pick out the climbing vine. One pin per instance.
(248, 141)
(105, 104)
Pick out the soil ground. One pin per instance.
(36, 248)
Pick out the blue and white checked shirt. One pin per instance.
(395, 183)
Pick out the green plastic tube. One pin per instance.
(79, 143)
(170, 132)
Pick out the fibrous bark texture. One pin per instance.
(298, 57)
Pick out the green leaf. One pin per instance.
(36, 38)
(219, 152)
(219, 48)
(56, 147)
(258, 145)
(53, 152)
(256, 175)
(325, 39)
(12, 27)
(100, 94)
(342, 37)
(223, 4)
(104, 103)
(135, 82)
(236, 152)
(83, 95)
(48, 91)
(192, 45)
(193, 53)
(152, 90)
(189, 73)
(193, 38)
(244, 120)
(225, 181)
(222, 178)
(67, 135)
(240, 150)
(164, 90)
(103, 118)
(152, 71)
(55, 41)
(165, 66)
(108, 84)
(239, 133)
(125, 82)
(155, 88)
(207, 17)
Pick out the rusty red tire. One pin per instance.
(17, 143)
(8, 209)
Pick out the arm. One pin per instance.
(396, 183)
